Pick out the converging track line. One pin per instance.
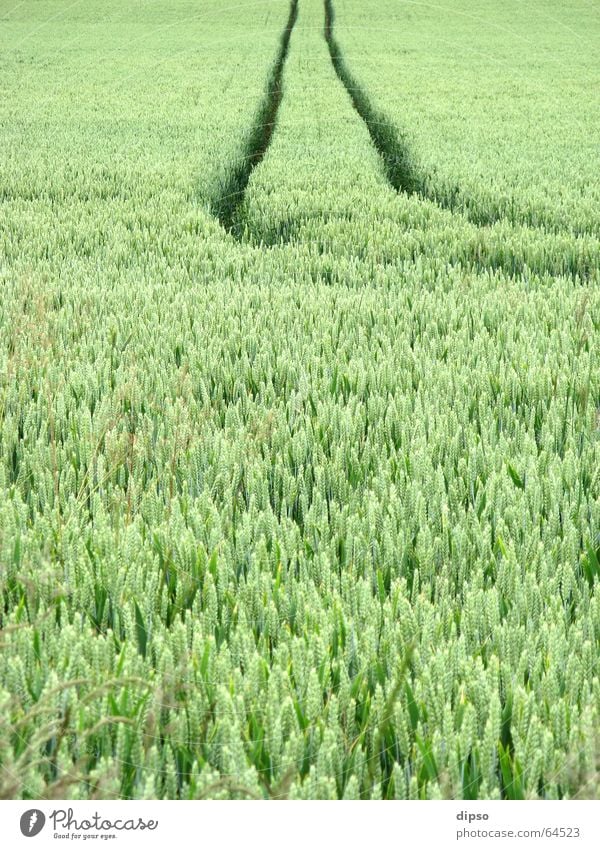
(228, 205)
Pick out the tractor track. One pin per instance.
(393, 149)
(398, 162)
(227, 207)
(400, 165)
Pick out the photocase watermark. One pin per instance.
(32, 822)
(66, 826)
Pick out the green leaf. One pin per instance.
(37, 648)
(591, 564)
(413, 709)
(140, 629)
(516, 478)
(212, 564)
(428, 758)
(512, 775)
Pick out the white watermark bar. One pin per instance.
(311, 825)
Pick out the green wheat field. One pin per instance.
(299, 399)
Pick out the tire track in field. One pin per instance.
(391, 145)
(399, 162)
(227, 206)
(401, 172)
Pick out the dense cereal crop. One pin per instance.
(299, 399)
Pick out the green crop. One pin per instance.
(299, 401)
